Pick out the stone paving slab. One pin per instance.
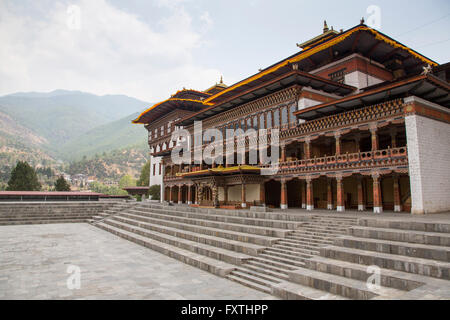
(34, 260)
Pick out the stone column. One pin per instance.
(340, 201)
(243, 198)
(329, 195)
(284, 196)
(374, 136)
(262, 194)
(180, 195)
(361, 205)
(397, 202)
(377, 201)
(309, 195)
(303, 191)
(189, 195)
(337, 136)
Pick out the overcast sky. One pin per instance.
(149, 49)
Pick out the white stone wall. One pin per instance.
(361, 80)
(429, 164)
(157, 178)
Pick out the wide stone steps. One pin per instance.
(227, 234)
(295, 251)
(346, 287)
(264, 231)
(411, 236)
(288, 254)
(230, 213)
(47, 221)
(270, 265)
(440, 253)
(296, 248)
(406, 224)
(267, 222)
(388, 278)
(319, 232)
(301, 242)
(335, 219)
(293, 291)
(326, 227)
(200, 261)
(196, 247)
(431, 268)
(261, 270)
(309, 237)
(212, 239)
(250, 281)
(266, 277)
(277, 261)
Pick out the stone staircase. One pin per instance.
(412, 257)
(214, 240)
(273, 265)
(115, 208)
(295, 256)
(17, 213)
(256, 249)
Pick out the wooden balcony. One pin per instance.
(388, 157)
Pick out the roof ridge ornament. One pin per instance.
(427, 69)
(325, 26)
(362, 21)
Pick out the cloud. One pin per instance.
(103, 50)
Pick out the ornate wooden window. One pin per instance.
(269, 119)
(338, 76)
(292, 109)
(276, 118)
(261, 121)
(284, 115)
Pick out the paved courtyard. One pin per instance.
(35, 260)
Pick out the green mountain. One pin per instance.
(62, 116)
(105, 138)
(93, 133)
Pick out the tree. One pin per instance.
(61, 184)
(126, 181)
(23, 178)
(144, 179)
(155, 192)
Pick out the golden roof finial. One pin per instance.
(325, 26)
(221, 79)
(362, 20)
